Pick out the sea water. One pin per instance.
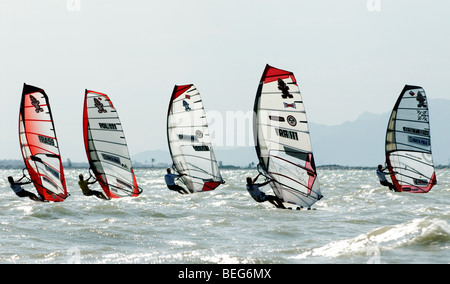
(357, 221)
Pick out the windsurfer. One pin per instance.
(382, 177)
(19, 191)
(259, 196)
(170, 182)
(84, 185)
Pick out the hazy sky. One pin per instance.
(347, 58)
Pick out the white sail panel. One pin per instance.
(106, 147)
(408, 142)
(283, 141)
(189, 140)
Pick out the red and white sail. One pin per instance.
(39, 145)
(408, 143)
(283, 142)
(189, 140)
(106, 147)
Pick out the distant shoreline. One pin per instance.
(17, 164)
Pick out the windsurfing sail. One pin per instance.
(106, 147)
(39, 145)
(189, 140)
(408, 143)
(282, 139)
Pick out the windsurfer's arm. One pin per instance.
(256, 178)
(25, 182)
(390, 172)
(91, 176)
(265, 183)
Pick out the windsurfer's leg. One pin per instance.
(275, 201)
(30, 195)
(178, 188)
(388, 184)
(280, 203)
(181, 190)
(35, 198)
(99, 194)
(385, 183)
(392, 187)
(96, 194)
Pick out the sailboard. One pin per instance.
(282, 139)
(408, 143)
(39, 145)
(189, 140)
(106, 147)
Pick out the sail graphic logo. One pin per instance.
(99, 105)
(419, 140)
(109, 126)
(286, 134)
(191, 138)
(284, 89)
(199, 134)
(186, 106)
(421, 99)
(203, 148)
(286, 105)
(112, 159)
(46, 140)
(422, 115)
(36, 104)
(121, 183)
(422, 132)
(291, 120)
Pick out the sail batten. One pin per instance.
(106, 147)
(408, 143)
(39, 145)
(189, 140)
(283, 143)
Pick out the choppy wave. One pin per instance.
(416, 235)
(357, 221)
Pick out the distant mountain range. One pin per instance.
(357, 143)
(361, 142)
